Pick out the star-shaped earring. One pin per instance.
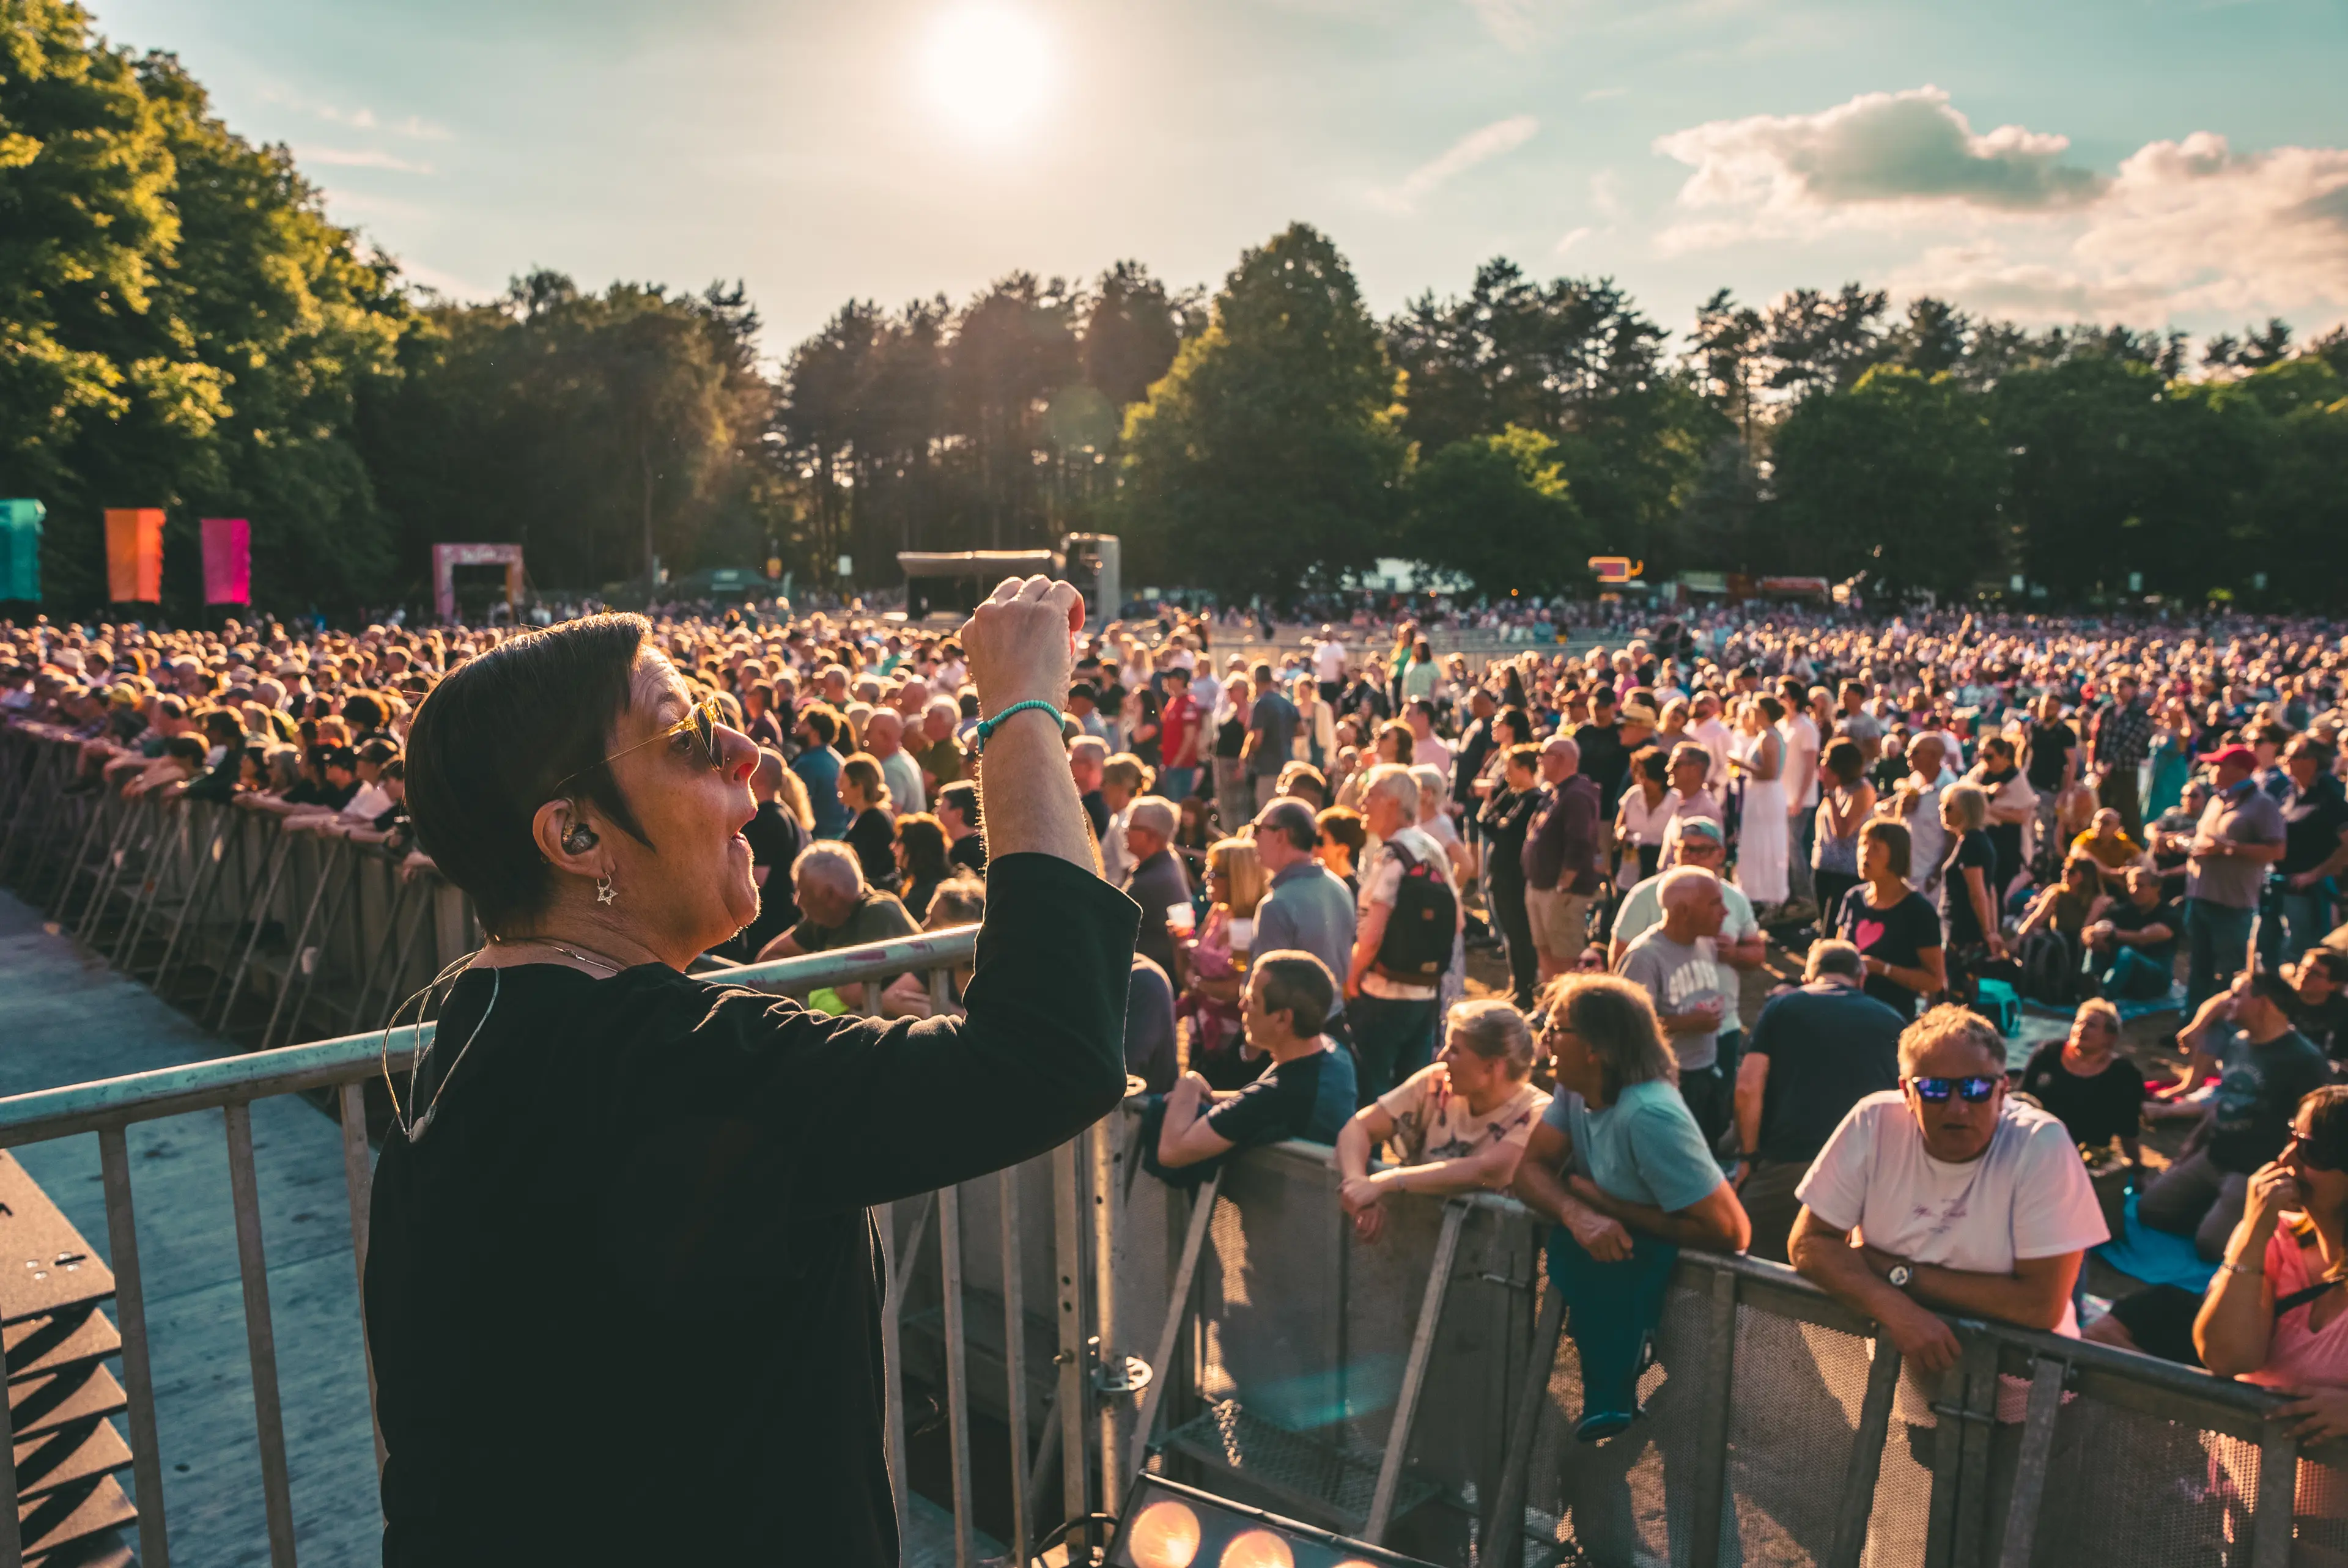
(605, 891)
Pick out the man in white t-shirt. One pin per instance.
(1329, 663)
(1944, 1195)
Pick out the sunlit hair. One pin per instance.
(1899, 848)
(1945, 1022)
(863, 771)
(1234, 860)
(1617, 1020)
(1494, 1030)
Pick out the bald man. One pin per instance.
(1563, 846)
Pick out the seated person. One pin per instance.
(2274, 1312)
(2266, 1067)
(2066, 908)
(2108, 842)
(1457, 1124)
(2134, 941)
(1620, 1168)
(836, 909)
(2085, 1082)
(1307, 1092)
(1968, 1202)
(2319, 1008)
(1815, 1052)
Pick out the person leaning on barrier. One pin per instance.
(1307, 1092)
(1459, 1124)
(838, 909)
(1969, 1202)
(606, 1162)
(1621, 1167)
(1815, 1052)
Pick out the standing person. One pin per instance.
(2050, 758)
(873, 833)
(1306, 909)
(1895, 929)
(1561, 858)
(818, 765)
(1844, 806)
(1758, 755)
(884, 738)
(2012, 808)
(1505, 816)
(777, 834)
(1677, 966)
(2123, 741)
(1271, 732)
(1799, 735)
(2172, 761)
(1815, 1052)
(1969, 901)
(2240, 834)
(1641, 818)
(1157, 882)
(1916, 800)
(1234, 794)
(958, 813)
(2315, 851)
(1180, 730)
(1409, 916)
(599, 841)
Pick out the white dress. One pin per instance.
(1761, 837)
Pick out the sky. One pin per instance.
(2166, 163)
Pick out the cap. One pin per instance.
(1638, 713)
(2225, 755)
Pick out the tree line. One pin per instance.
(180, 326)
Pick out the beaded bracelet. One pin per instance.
(987, 727)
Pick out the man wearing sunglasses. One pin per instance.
(1944, 1196)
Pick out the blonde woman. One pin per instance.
(871, 830)
(1459, 1124)
(1216, 963)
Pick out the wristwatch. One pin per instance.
(1900, 1275)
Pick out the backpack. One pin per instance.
(2049, 967)
(1417, 948)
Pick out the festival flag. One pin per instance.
(228, 560)
(20, 548)
(134, 555)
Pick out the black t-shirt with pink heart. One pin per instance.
(1898, 936)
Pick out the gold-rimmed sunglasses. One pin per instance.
(701, 722)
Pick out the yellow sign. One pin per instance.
(1616, 568)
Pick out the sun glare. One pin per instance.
(987, 71)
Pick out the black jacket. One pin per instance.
(623, 1298)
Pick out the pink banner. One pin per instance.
(228, 560)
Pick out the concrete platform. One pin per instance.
(66, 1017)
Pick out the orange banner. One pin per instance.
(134, 555)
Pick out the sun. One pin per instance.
(987, 71)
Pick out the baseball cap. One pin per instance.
(1639, 714)
(2225, 755)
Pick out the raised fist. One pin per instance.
(1021, 643)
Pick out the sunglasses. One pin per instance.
(701, 723)
(1937, 1090)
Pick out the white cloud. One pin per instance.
(1510, 22)
(1899, 151)
(1595, 94)
(1477, 146)
(358, 158)
(1606, 193)
(361, 119)
(1572, 238)
(2010, 226)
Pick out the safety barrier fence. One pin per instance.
(261, 933)
(1074, 1319)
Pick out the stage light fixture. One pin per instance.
(1169, 1526)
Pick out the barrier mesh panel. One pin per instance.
(1795, 1407)
(2176, 1496)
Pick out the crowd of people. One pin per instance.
(1937, 820)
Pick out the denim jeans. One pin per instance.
(2133, 978)
(1393, 1039)
(2301, 921)
(1175, 784)
(2218, 944)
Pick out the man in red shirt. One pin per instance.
(1178, 730)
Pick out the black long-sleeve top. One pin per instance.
(623, 1298)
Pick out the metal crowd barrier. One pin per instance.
(257, 932)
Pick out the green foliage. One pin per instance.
(1898, 478)
(1496, 510)
(1269, 455)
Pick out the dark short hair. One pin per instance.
(1296, 982)
(1895, 840)
(1293, 819)
(364, 710)
(963, 795)
(822, 721)
(494, 739)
